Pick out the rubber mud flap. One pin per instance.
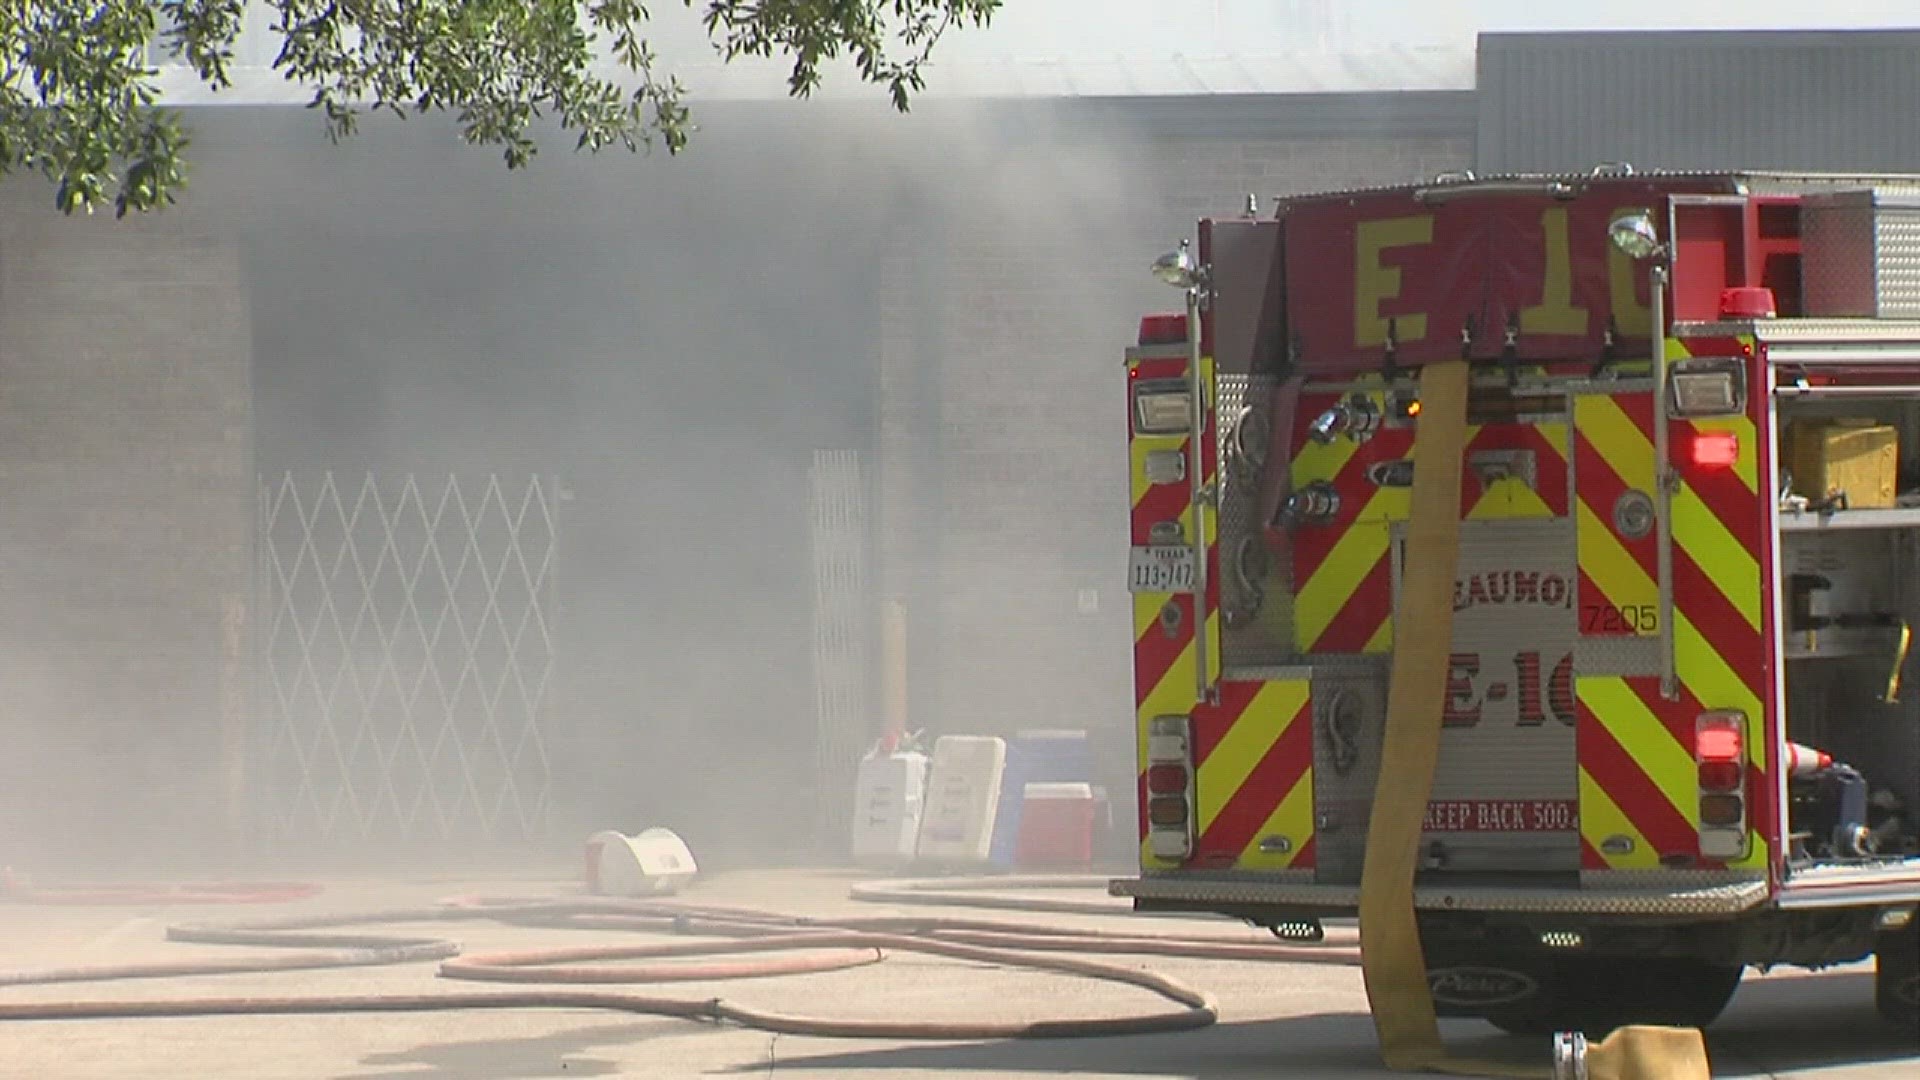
(1391, 956)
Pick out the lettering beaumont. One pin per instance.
(1512, 587)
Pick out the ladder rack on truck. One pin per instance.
(1676, 738)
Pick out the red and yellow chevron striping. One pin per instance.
(1164, 660)
(1613, 460)
(1343, 599)
(1254, 786)
(1719, 524)
(1253, 748)
(1638, 787)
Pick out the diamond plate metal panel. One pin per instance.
(1349, 724)
(1256, 590)
(1617, 656)
(406, 655)
(1860, 255)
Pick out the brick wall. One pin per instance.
(125, 524)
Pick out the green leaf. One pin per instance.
(78, 94)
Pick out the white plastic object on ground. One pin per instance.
(963, 797)
(654, 863)
(889, 800)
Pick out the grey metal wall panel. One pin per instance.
(1829, 101)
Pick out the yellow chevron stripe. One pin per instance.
(1293, 819)
(1603, 558)
(1617, 438)
(1614, 569)
(1601, 817)
(1334, 581)
(1642, 734)
(1707, 676)
(1174, 694)
(1725, 560)
(1507, 499)
(1382, 639)
(1253, 734)
(1512, 498)
(1317, 462)
(1733, 570)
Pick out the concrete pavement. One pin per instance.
(1278, 1019)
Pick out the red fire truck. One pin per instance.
(1676, 739)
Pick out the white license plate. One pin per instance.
(1167, 569)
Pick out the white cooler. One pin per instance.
(889, 796)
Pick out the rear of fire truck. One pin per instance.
(1676, 740)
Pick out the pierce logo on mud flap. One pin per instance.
(1479, 986)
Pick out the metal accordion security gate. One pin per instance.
(405, 650)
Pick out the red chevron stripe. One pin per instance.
(1639, 408)
(1212, 722)
(1370, 605)
(1550, 464)
(1239, 821)
(1311, 546)
(1161, 502)
(1615, 770)
(1591, 593)
(1720, 489)
(1550, 459)
(1303, 860)
(1154, 652)
(1590, 857)
(1601, 487)
(1718, 621)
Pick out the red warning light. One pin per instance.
(1714, 449)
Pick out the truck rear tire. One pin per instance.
(1594, 995)
(1896, 975)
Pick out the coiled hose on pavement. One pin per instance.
(819, 945)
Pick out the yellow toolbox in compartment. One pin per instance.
(1860, 458)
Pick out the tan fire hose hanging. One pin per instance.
(1390, 953)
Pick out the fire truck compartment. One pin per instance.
(1849, 589)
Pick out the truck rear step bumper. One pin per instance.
(1719, 899)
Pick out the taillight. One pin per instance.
(1720, 810)
(1720, 757)
(1169, 812)
(1170, 787)
(1167, 779)
(1719, 775)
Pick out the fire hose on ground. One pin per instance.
(824, 945)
